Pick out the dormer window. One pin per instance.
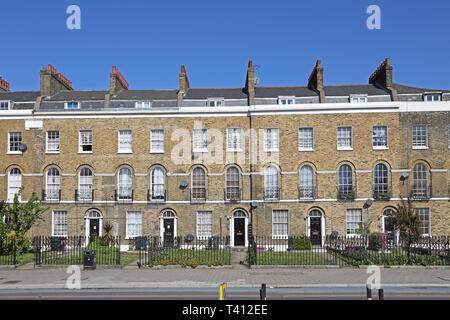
(358, 99)
(286, 100)
(72, 105)
(5, 105)
(215, 102)
(432, 97)
(143, 104)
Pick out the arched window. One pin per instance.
(345, 180)
(307, 182)
(85, 184)
(157, 184)
(14, 183)
(380, 180)
(232, 191)
(125, 184)
(198, 184)
(53, 184)
(271, 186)
(420, 181)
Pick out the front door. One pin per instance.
(239, 231)
(168, 231)
(316, 230)
(94, 225)
(389, 230)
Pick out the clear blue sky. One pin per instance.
(148, 40)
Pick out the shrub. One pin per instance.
(302, 243)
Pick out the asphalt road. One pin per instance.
(325, 293)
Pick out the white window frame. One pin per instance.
(286, 223)
(286, 99)
(420, 147)
(47, 140)
(358, 98)
(350, 235)
(275, 145)
(433, 95)
(200, 134)
(200, 233)
(8, 103)
(65, 225)
(154, 141)
(428, 221)
(234, 139)
(126, 136)
(155, 184)
(9, 142)
(80, 145)
(10, 195)
(300, 148)
(146, 104)
(87, 183)
(66, 105)
(53, 184)
(122, 185)
(344, 148)
(385, 147)
(217, 102)
(137, 222)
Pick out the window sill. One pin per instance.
(85, 152)
(234, 150)
(14, 152)
(52, 152)
(271, 150)
(420, 148)
(305, 150)
(345, 149)
(380, 148)
(157, 151)
(125, 152)
(200, 151)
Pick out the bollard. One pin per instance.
(369, 292)
(223, 291)
(262, 292)
(380, 294)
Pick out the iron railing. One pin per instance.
(232, 194)
(421, 192)
(346, 193)
(184, 251)
(124, 195)
(8, 251)
(84, 195)
(154, 196)
(51, 195)
(272, 194)
(198, 194)
(70, 250)
(306, 193)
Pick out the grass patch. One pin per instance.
(189, 257)
(20, 259)
(289, 258)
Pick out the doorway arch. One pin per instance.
(239, 228)
(93, 223)
(315, 226)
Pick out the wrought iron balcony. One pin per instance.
(84, 195)
(156, 195)
(381, 196)
(421, 192)
(306, 193)
(51, 195)
(123, 195)
(271, 194)
(198, 194)
(346, 193)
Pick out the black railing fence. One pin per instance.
(70, 250)
(8, 251)
(343, 251)
(184, 251)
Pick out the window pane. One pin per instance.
(305, 138)
(125, 140)
(353, 221)
(344, 139)
(15, 139)
(204, 224)
(60, 223)
(157, 140)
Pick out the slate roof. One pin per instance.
(146, 95)
(402, 89)
(274, 92)
(73, 95)
(346, 90)
(20, 96)
(226, 93)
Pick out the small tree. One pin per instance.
(108, 238)
(20, 217)
(407, 222)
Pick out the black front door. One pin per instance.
(94, 225)
(168, 231)
(316, 230)
(239, 231)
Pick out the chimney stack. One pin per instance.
(4, 85)
(383, 77)
(250, 83)
(52, 82)
(315, 81)
(116, 82)
(183, 85)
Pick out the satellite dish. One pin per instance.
(254, 204)
(23, 147)
(368, 202)
(189, 238)
(405, 175)
(183, 184)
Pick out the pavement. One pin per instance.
(56, 278)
